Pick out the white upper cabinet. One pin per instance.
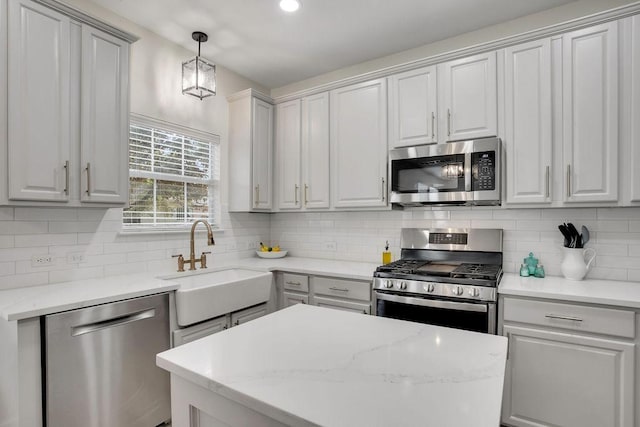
(590, 114)
(288, 154)
(38, 99)
(413, 108)
(315, 151)
(262, 153)
(68, 121)
(528, 114)
(467, 98)
(250, 152)
(105, 117)
(634, 140)
(359, 145)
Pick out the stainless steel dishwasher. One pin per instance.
(100, 365)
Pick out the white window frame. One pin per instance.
(213, 182)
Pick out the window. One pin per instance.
(173, 175)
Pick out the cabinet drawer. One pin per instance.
(354, 307)
(342, 288)
(296, 282)
(568, 316)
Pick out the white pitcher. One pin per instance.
(573, 265)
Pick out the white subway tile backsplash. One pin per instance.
(6, 214)
(31, 240)
(359, 236)
(45, 214)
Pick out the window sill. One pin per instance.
(132, 231)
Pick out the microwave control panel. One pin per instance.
(484, 171)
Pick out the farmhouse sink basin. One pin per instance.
(208, 295)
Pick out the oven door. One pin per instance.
(471, 316)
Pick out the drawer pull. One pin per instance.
(339, 289)
(293, 283)
(553, 316)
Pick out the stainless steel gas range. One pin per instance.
(447, 277)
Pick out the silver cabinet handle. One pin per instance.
(548, 184)
(66, 177)
(293, 283)
(237, 322)
(225, 327)
(448, 122)
(433, 125)
(115, 321)
(257, 194)
(383, 190)
(88, 169)
(339, 289)
(295, 193)
(306, 190)
(568, 180)
(554, 316)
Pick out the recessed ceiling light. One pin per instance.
(290, 5)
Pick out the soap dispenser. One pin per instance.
(531, 262)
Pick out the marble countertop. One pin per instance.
(606, 292)
(23, 303)
(334, 368)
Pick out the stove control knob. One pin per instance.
(403, 285)
(474, 292)
(389, 284)
(430, 287)
(457, 290)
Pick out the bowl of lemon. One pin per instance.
(270, 252)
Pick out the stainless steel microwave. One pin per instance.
(455, 173)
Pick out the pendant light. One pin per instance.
(198, 74)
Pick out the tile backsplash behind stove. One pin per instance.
(93, 234)
(360, 236)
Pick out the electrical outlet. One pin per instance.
(232, 246)
(75, 258)
(329, 246)
(253, 245)
(41, 260)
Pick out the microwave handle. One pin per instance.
(467, 171)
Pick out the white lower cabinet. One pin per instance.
(331, 292)
(218, 324)
(556, 376)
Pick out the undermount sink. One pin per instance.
(207, 295)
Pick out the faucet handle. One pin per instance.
(180, 262)
(207, 253)
(203, 259)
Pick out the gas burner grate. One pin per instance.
(402, 266)
(476, 271)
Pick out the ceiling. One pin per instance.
(259, 41)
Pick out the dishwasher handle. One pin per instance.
(115, 321)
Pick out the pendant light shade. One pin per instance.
(198, 74)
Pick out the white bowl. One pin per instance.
(271, 254)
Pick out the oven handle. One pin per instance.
(462, 306)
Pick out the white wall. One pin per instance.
(155, 92)
(360, 236)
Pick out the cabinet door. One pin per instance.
(38, 99)
(105, 117)
(635, 110)
(315, 151)
(564, 379)
(246, 315)
(201, 330)
(528, 122)
(288, 154)
(290, 298)
(337, 304)
(359, 145)
(590, 108)
(262, 153)
(412, 108)
(468, 98)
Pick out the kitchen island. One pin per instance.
(308, 366)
